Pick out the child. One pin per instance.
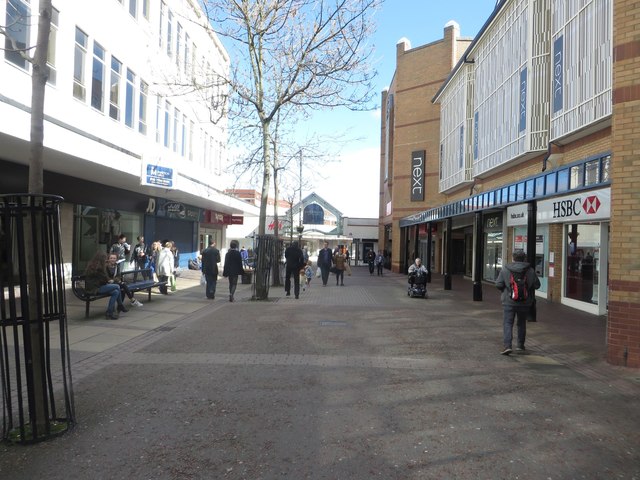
(308, 273)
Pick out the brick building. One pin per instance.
(537, 127)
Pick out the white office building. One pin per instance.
(135, 130)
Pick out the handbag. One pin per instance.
(347, 269)
(172, 282)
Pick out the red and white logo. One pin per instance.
(591, 205)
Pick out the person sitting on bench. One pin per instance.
(99, 282)
(112, 271)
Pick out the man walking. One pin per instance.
(295, 262)
(517, 282)
(210, 260)
(324, 262)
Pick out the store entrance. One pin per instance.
(585, 264)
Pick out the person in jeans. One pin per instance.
(232, 267)
(112, 271)
(513, 308)
(98, 282)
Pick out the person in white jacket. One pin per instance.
(164, 268)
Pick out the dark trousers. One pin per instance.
(379, 269)
(510, 313)
(233, 283)
(163, 288)
(371, 267)
(296, 281)
(211, 281)
(324, 272)
(340, 277)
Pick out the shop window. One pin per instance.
(551, 183)
(539, 188)
(504, 196)
(582, 268)
(520, 191)
(606, 168)
(592, 172)
(563, 180)
(576, 177)
(529, 191)
(512, 193)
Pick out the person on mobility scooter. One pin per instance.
(417, 280)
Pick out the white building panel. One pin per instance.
(127, 61)
(455, 130)
(582, 58)
(511, 66)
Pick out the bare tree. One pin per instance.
(296, 55)
(39, 76)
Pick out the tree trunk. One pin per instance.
(34, 238)
(261, 280)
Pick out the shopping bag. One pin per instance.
(172, 282)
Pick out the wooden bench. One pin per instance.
(79, 291)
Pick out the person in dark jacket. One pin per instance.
(516, 308)
(295, 262)
(98, 281)
(325, 258)
(232, 267)
(210, 261)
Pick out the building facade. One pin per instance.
(537, 123)
(410, 136)
(134, 132)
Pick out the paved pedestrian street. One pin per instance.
(353, 382)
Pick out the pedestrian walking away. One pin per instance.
(518, 282)
(232, 267)
(371, 260)
(379, 262)
(295, 262)
(324, 262)
(210, 261)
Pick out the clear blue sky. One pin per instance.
(421, 22)
(350, 183)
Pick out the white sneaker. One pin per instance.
(136, 303)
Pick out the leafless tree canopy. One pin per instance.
(293, 55)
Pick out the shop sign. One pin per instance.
(494, 222)
(217, 218)
(178, 210)
(558, 69)
(157, 175)
(517, 215)
(417, 176)
(585, 206)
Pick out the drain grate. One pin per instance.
(163, 329)
(333, 323)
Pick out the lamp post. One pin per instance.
(300, 227)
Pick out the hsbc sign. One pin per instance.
(588, 206)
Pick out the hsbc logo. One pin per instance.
(591, 205)
(575, 207)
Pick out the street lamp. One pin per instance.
(300, 227)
